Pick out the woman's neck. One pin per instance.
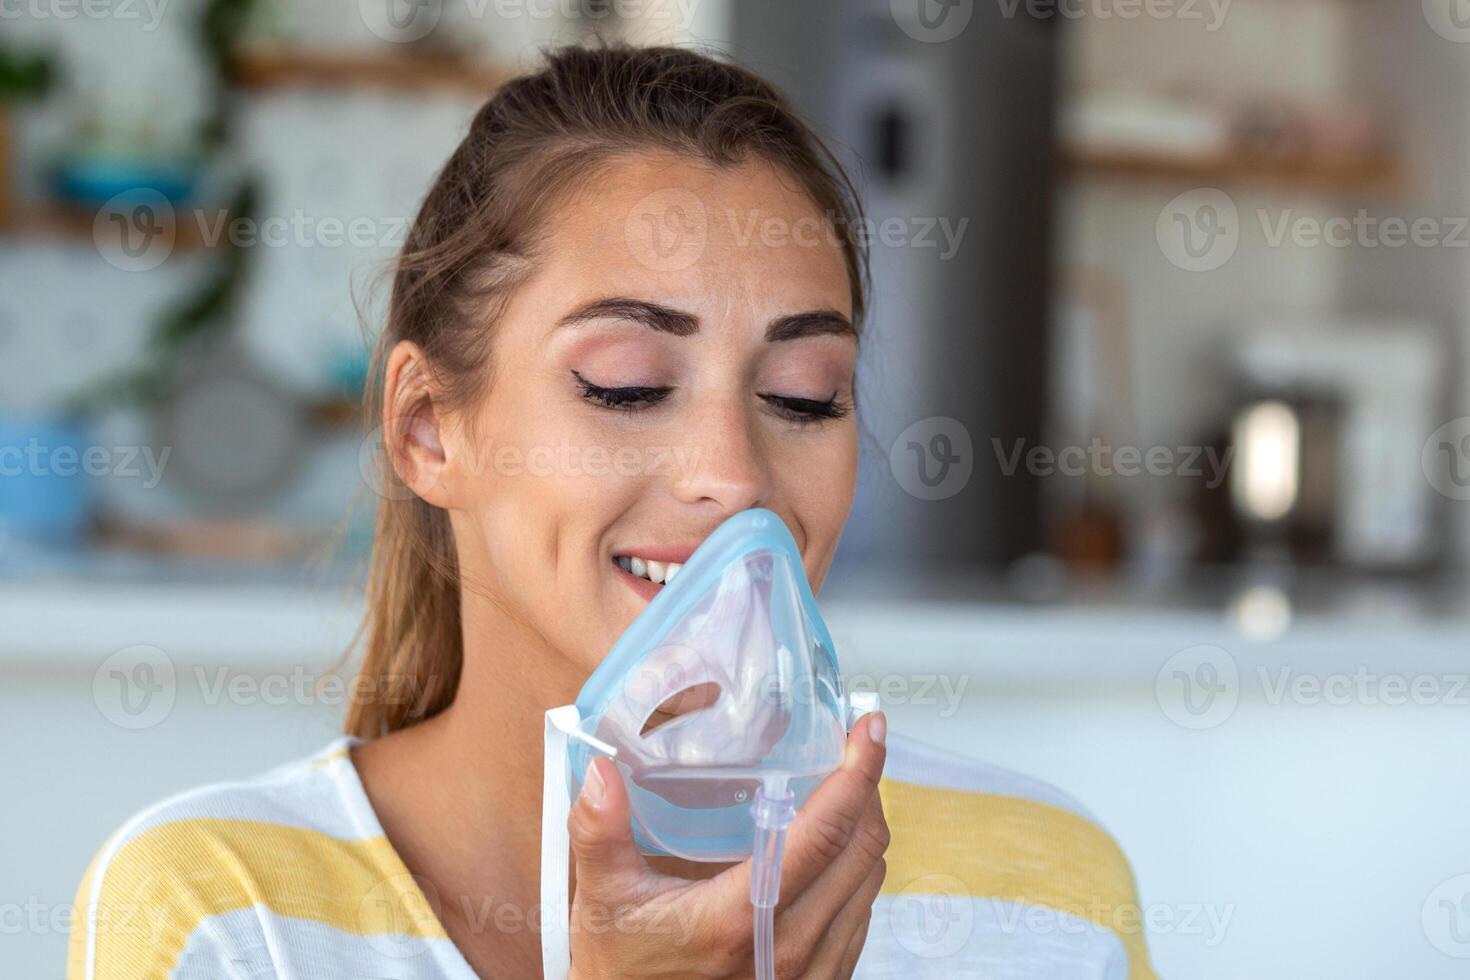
(459, 795)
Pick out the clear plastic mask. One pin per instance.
(737, 656)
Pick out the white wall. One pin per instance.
(1266, 45)
(1419, 79)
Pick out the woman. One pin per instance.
(628, 309)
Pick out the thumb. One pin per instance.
(607, 860)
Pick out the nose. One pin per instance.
(724, 464)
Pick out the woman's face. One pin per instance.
(682, 351)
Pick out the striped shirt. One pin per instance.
(990, 874)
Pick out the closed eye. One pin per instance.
(628, 398)
(807, 409)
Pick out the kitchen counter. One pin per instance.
(69, 613)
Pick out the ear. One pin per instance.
(413, 426)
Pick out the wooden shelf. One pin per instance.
(340, 412)
(267, 69)
(1371, 174)
(72, 223)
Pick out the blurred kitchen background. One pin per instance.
(1165, 487)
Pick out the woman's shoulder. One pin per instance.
(988, 868)
(308, 796)
(235, 871)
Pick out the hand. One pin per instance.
(628, 920)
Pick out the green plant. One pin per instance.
(183, 328)
(221, 28)
(198, 317)
(24, 75)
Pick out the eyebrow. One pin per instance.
(665, 319)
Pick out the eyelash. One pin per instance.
(807, 410)
(629, 399)
(637, 397)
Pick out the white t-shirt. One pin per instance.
(990, 874)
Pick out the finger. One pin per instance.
(823, 827)
(609, 869)
(837, 883)
(854, 951)
(840, 941)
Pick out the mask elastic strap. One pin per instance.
(562, 724)
(556, 806)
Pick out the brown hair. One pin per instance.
(473, 240)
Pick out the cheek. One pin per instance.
(538, 488)
(817, 479)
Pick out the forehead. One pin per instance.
(688, 231)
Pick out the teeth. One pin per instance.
(658, 572)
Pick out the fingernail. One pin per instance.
(878, 727)
(593, 788)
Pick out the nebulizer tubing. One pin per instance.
(774, 809)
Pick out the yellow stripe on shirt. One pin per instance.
(159, 886)
(144, 919)
(330, 758)
(1015, 850)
